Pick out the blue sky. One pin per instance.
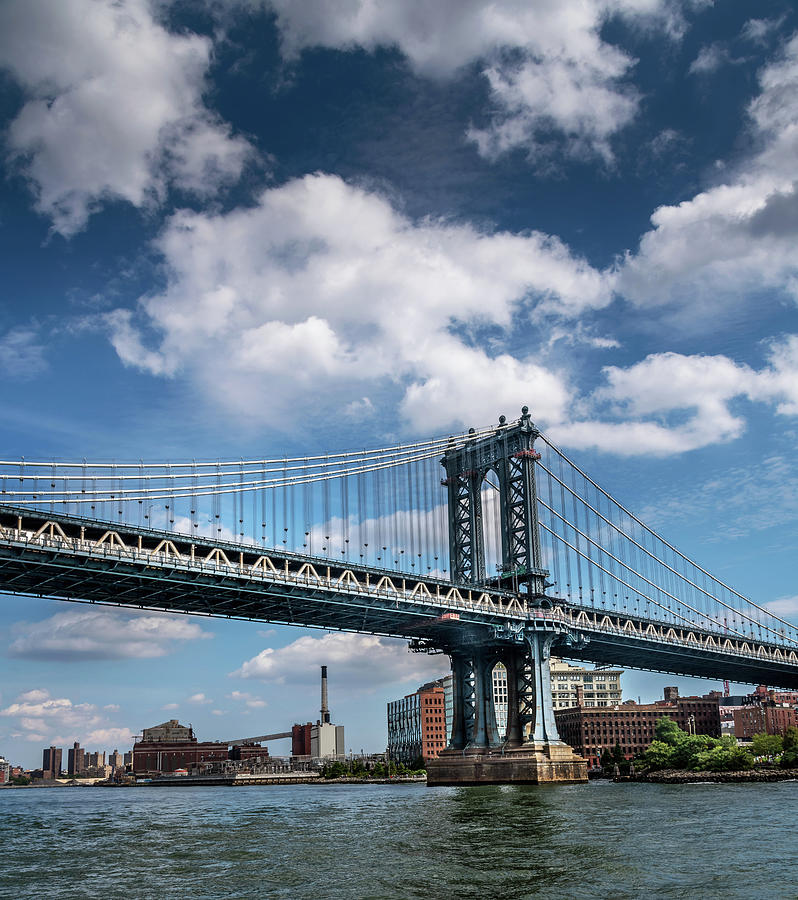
(236, 227)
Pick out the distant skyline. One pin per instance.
(253, 227)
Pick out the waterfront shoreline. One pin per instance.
(217, 781)
(745, 776)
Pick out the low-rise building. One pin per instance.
(761, 711)
(5, 770)
(249, 751)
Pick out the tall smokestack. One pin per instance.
(325, 712)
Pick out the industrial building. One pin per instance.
(322, 740)
(170, 746)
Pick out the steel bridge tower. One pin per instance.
(530, 750)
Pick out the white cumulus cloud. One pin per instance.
(546, 63)
(324, 283)
(98, 633)
(199, 699)
(670, 403)
(247, 698)
(113, 107)
(358, 661)
(740, 234)
(44, 718)
(784, 606)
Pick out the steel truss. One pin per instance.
(510, 454)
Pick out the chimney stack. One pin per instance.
(325, 712)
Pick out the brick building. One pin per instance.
(762, 711)
(433, 719)
(166, 756)
(300, 739)
(171, 746)
(76, 759)
(417, 724)
(248, 751)
(762, 719)
(51, 762)
(591, 730)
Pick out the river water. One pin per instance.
(601, 840)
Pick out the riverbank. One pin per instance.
(217, 781)
(680, 776)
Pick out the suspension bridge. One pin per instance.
(488, 546)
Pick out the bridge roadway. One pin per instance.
(72, 558)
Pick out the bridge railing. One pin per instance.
(433, 597)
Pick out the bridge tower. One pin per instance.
(530, 751)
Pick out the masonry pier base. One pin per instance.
(539, 763)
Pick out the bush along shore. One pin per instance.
(676, 757)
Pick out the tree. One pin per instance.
(659, 755)
(723, 758)
(767, 744)
(789, 759)
(607, 760)
(667, 731)
(674, 748)
(333, 770)
(791, 738)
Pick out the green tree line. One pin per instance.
(673, 748)
(356, 768)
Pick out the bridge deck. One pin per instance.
(72, 558)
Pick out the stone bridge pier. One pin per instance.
(530, 751)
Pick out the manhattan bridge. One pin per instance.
(489, 546)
